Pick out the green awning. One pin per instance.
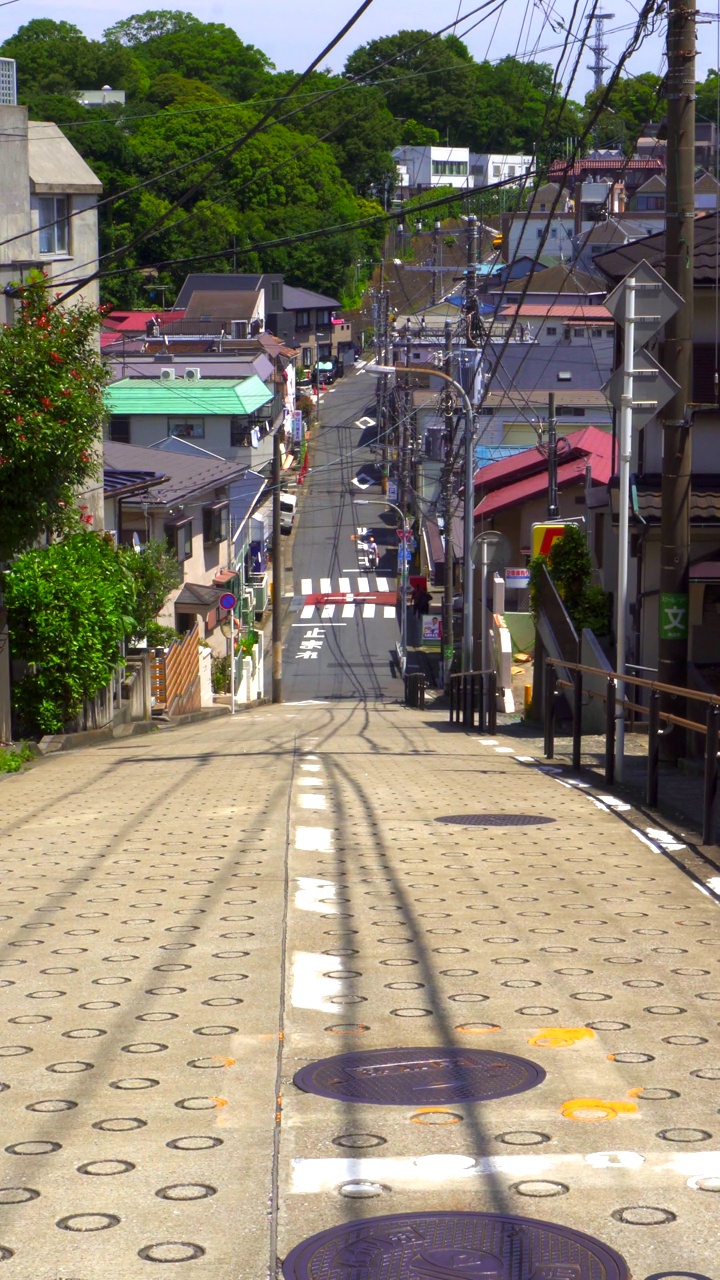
(206, 397)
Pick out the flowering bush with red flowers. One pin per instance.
(51, 414)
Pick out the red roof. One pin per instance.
(135, 321)
(561, 311)
(517, 479)
(607, 162)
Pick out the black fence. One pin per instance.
(415, 686)
(474, 693)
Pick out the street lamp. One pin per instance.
(469, 495)
(382, 502)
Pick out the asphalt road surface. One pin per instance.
(343, 629)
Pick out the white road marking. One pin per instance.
(344, 585)
(310, 988)
(328, 611)
(363, 584)
(368, 611)
(312, 894)
(306, 586)
(307, 611)
(382, 584)
(309, 768)
(325, 624)
(505, 751)
(325, 586)
(312, 802)
(389, 611)
(348, 611)
(314, 839)
(311, 782)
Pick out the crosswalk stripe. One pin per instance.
(307, 611)
(363, 584)
(382, 584)
(348, 611)
(306, 586)
(368, 611)
(389, 611)
(328, 611)
(325, 586)
(344, 584)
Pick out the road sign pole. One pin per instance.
(626, 413)
(232, 671)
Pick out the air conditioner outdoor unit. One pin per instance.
(167, 375)
(192, 375)
(239, 328)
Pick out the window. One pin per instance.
(302, 319)
(564, 375)
(553, 233)
(215, 523)
(511, 171)
(307, 357)
(322, 318)
(179, 539)
(120, 430)
(54, 224)
(551, 330)
(578, 333)
(187, 428)
(497, 171)
(240, 431)
(539, 233)
(275, 291)
(569, 411)
(596, 333)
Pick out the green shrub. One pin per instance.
(13, 759)
(570, 567)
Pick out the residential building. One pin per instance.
(420, 168)
(198, 505)
(105, 97)
(612, 168)
(8, 82)
(540, 236)
(598, 238)
(231, 418)
(487, 169)
(571, 322)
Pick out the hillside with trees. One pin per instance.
(180, 194)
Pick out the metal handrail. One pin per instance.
(468, 688)
(710, 730)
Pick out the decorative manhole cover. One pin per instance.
(496, 820)
(454, 1246)
(419, 1077)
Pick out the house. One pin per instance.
(538, 235)
(487, 169)
(613, 168)
(105, 97)
(231, 418)
(420, 168)
(573, 322)
(198, 505)
(600, 236)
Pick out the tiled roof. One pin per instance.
(521, 476)
(616, 263)
(184, 474)
(208, 396)
(560, 311)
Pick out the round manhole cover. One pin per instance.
(419, 1077)
(496, 820)
(454, 1246)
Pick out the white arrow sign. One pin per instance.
(655, 302)
(652, 388)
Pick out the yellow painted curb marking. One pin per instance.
(593, 1109)
(560, 1037)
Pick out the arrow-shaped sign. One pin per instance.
(655, 302)
(652, 388)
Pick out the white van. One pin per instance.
(288, 507)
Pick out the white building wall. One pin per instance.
(525, 236)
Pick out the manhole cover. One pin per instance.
(454, 1246)
(496, 820)
(419, 1077)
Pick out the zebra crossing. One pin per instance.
(327, 598)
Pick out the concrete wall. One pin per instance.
(150, 429)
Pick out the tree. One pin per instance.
(69, 606)
(51, 415)
(55, 57)
(172, 41)
(632, 104)
(570, 567)
(155, 572)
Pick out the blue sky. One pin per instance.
(291, 32)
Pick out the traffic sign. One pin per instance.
(652, 388)
(543, 537)
(655, 302)
(498, 550)
(227, 600)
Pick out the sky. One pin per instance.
(293, 32)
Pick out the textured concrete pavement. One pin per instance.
(190, 918)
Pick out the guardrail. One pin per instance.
(472, 691)
(655, 715)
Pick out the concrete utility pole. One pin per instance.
(553, 507)
(678, 356)
(447, 503)
(277, 556)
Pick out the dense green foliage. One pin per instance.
(193, 89)
(51, 412)
(69, 606)
(12, 759)
(570, 567)
(155, 573)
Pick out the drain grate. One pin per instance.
(496, 820)
(440, 1246)
(419, 1077)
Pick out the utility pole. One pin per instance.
(677, 359)
(448, 640)
(436, 230)
(552, 457)
(277, 556)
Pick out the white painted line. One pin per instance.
(363, 584)
(287, 594)
(504, 751)
(311, 782)
(368, 611)
(314, 839)
(388, 610)
(328, 611)
(325, 585)
(348, 611)
(312, 802)
(382, 584)
(325, 624)
(312, 894)
(350, 570)
(307, 611)
(526, 759)
(306, 586)
(344, 585)
(310, 988)
(309, 768)
(714, 884)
